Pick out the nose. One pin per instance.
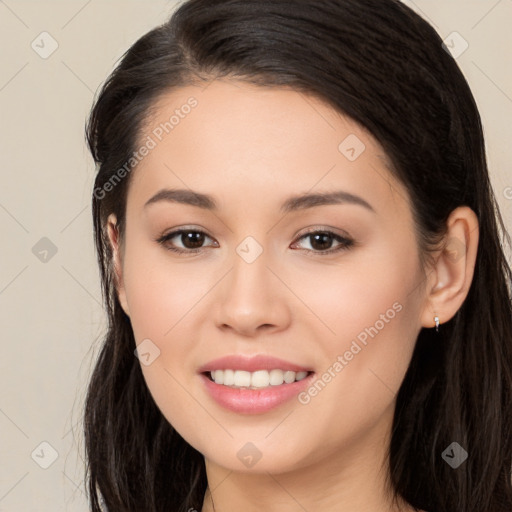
(252, 299)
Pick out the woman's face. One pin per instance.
(348, 311)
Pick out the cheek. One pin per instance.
(366, 315)
(162, 298)
(160, 294)
(362, 289)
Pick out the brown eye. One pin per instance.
(321, 242)
(191, 241)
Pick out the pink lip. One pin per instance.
(254, 401)
(251, 364)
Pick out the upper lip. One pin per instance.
(251, 364)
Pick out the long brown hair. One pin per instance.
(385, 67)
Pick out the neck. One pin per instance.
(352, 478)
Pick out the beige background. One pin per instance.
(50, 312)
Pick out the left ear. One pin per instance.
(450, 278)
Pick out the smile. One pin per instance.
(255, 380)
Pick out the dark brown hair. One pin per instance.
(385, 67)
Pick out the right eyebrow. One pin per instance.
(184, 196)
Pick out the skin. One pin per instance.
(252, 148)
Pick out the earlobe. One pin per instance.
(450, 278)
(113, 236)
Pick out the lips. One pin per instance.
(244, 400)
(254, 401)
(252, 364)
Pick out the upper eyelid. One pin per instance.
(309, 229)
(178, 231)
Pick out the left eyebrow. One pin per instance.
(304, 201)
(295, 203)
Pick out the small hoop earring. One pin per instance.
(436, 320)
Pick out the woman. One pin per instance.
(309, 306)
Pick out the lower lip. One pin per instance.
(254, 401)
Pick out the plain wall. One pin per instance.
(51, 315)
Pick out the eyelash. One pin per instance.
(344, 242)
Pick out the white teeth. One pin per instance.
(229, 377)
(258, 379)
(218, 376)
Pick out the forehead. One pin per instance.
(235, 138)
